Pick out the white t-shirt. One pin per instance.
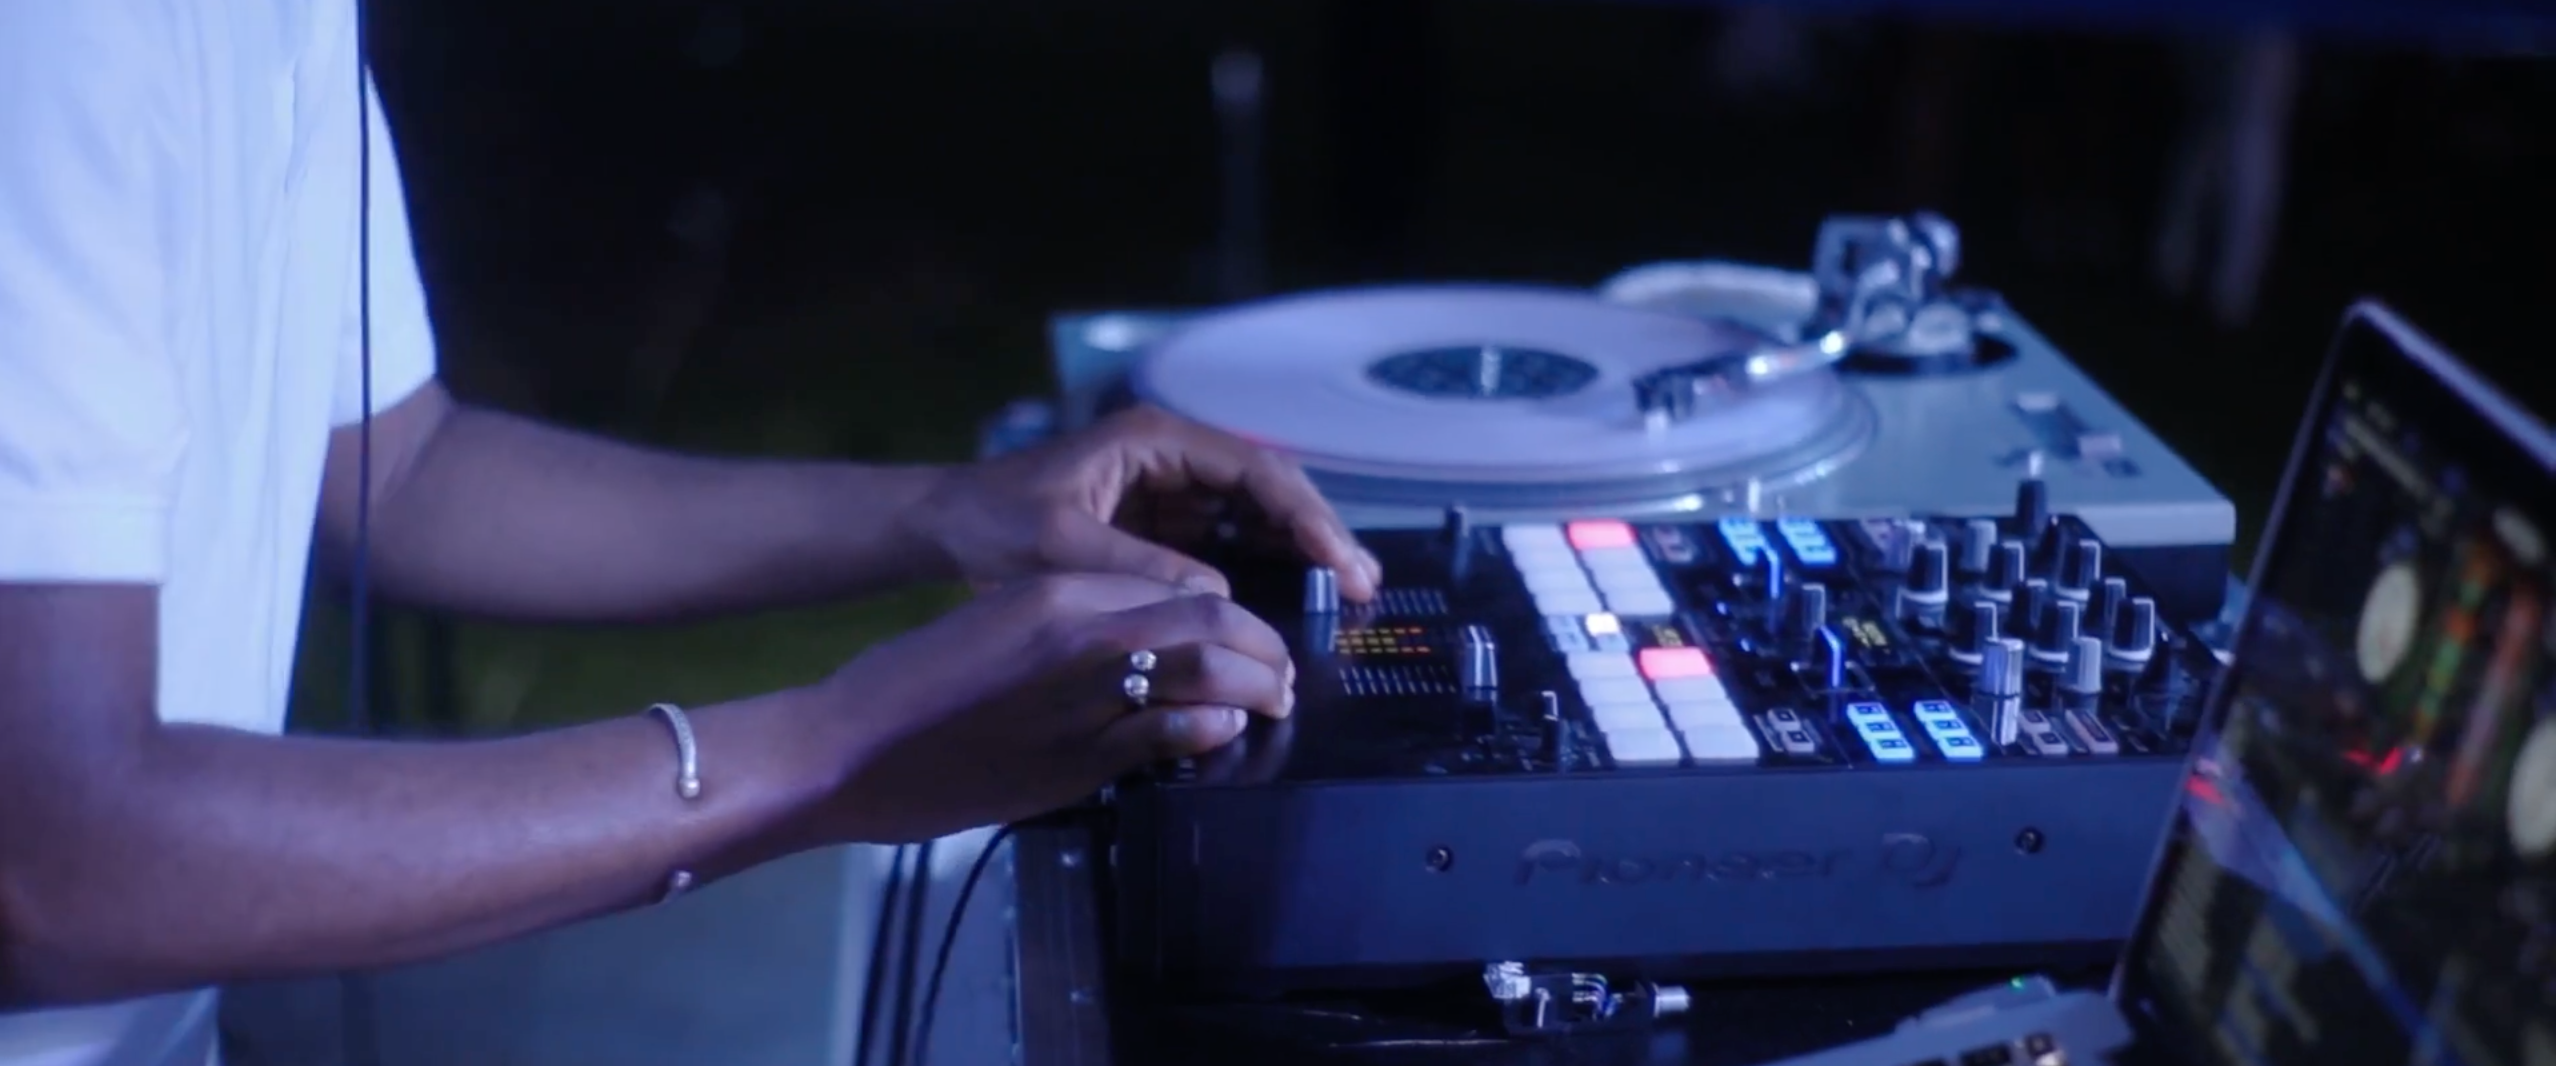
(178, 334)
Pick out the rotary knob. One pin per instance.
(1978, 543)
(2005, 571)
(2080, 570)
(1929, 575)
(2032, 509)
(2134, 632)
(2056, 637)
(1974, 627)
(2103, 612)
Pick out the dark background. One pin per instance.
(837, 226)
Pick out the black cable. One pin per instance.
(909, 956)
(874, 989)
(949, 946)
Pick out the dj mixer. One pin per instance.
(1742, 745)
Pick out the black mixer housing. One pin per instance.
(1468, 776)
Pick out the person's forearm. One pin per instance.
(504, 517)
(220, 856)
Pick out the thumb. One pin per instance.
(1087, 544)
(1162, 733)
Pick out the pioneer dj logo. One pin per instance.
(1911, 859)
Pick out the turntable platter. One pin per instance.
(1492, 396)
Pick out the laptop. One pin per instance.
(2361, 867)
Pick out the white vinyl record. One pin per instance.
(1490, 394)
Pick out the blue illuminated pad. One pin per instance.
(1880, 733)
(1809, 542)
(1746, 538)
(1951, 735)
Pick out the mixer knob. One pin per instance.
(1929, 574)
(2005, 571)
(2084, 673)
(2104, 612)
(2134, 631)
(2032, 603)
(2057, 634)
(1978, 542)
(2081, 569)
(2001, 668)
(2032, 509)
(1455, 534)
(1478, 660)
(1322, 591)
(1899, 543)
(1973, 628)
(1805, 611)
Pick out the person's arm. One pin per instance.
(490, 514)
(139, 856)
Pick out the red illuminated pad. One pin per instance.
(1661, 664)
(1594, 535)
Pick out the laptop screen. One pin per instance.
(2363, 866)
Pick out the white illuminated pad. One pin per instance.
(1653, 602)
(1601, 665)
(1676, 690)
(1721, 743)
(1531, 537)
(1612, 718)
(1704, 716)
(1651, 747)
(1604, 690)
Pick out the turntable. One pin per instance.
(1867, 387)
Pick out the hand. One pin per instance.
(1107, 500)
(1013, 705)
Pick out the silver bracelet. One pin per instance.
(687, 781)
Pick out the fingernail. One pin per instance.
(1197, 585)
(1228, 721)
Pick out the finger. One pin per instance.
(1218, 675)
(1199, 620)
(1174, 454)
(1162, 733)
(1080, 594)
(1077, 541)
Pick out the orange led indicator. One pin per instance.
(1596, 534)
(1661, 664)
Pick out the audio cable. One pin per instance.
(949, 946)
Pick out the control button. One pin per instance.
(2090, 732)
(1697, 690)
(1703, 715)
(2032, 509)
(2032, 604)
(1730, 743)
(1880, 734)
(1792, 735)
(1616, 559)
(1478, 660)
(1602, 624)
(1978, 542)
(1600, 691)
(1569, 641)
(1522, 539)
(1809, 542)
(2042, 736)
(1567, 600)
(1613, 642)
(1628, 583)
(2005, 571)
(1571, 580)
(1554, 557)
(2134, 634)
(2083, 571)
(1952, 736)
(2057, 636)
(1660, 664)
(1322, 590)
(1929, 574)
(1972, 628)
(1744, 537)
(1594, 535)
(1599, 665)
(1557, 730)
(1649, 747)
(1627, 717)
(1650, 603)
(1560, 568)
